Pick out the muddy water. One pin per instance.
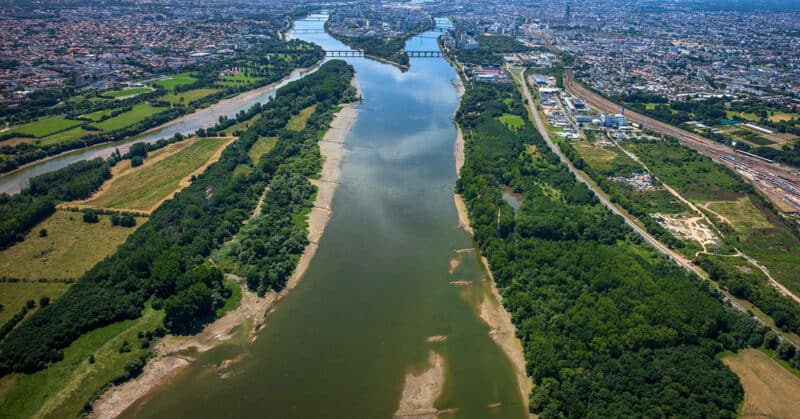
(341, 344)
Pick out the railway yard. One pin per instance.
(779, 183)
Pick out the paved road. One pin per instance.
(661, 247)
(697, 142)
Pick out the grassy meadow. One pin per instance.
(175, 81)
(70, 248)
(61, 390)
(138, 113)
(143, 187)
(298, 122)
(188, 96)
(43, 127)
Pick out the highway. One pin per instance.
(658, 245)
(769, 175)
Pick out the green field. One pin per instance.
(512, 122)
(176, 80)
(61, 390)
(747, 116)
(144, 187)
(96, 116)
(298, 122)
(13, 295)
(70, 248)
(695, 176)
(242, 126)
(262, 146)
(64, 136)
(138, 113)
(239, 79)
(188, 96)
(45, 126)
(128, 92)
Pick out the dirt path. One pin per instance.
(695, 234)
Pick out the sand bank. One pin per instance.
(420, 391)
(252, 310)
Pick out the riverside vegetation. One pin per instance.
(91, 118)
(609, 327)
(758, 230)
(165, 260)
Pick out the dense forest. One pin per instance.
(166, 258)
(610, 328)
(298, 53)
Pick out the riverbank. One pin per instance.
(492, 312)
(107, 148)
(173, 354)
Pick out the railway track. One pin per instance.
(710, 148)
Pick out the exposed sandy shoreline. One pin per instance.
(252, 310)
(421, 390)
(503, 331)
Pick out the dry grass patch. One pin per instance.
(13, 296)
(261, 147)
(741, 214)
(769, 389)
(145, 187)
(70, 249)
(298, 122)
(598, 157)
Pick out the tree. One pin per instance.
(138, 149)
(91, 217)
(44, 301)
(43, 232)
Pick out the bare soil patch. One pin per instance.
(770, 391)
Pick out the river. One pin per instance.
(342, 343)
(15, 181)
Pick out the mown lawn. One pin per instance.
(512, 122)
(127, 92)
(70, 248)
(61, 390)
(142, 188)
(138, 113)
(64, 136)
(43, 127)
(188, 96)
(176, 80)
(239, 79)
